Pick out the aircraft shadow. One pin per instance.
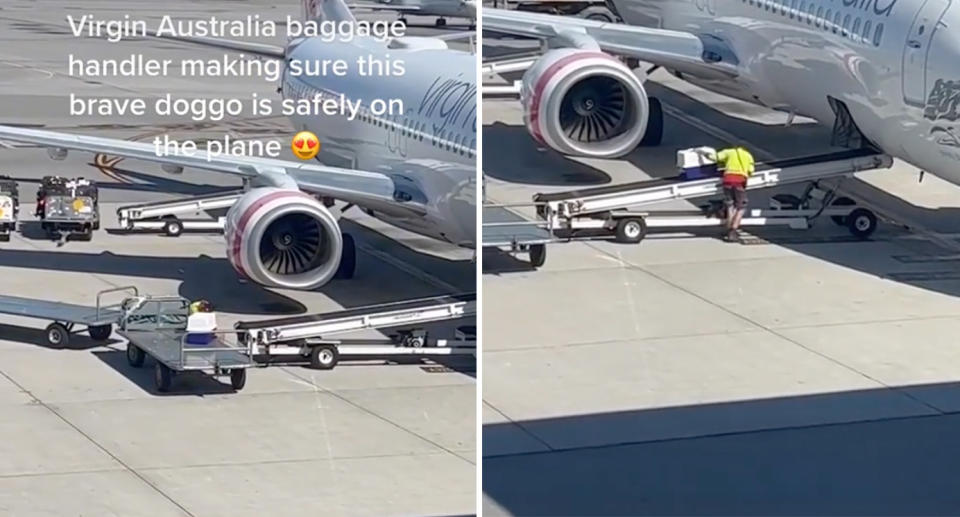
(752, 457)
(511, 155)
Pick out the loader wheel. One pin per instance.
(173, 228)
(862, 223)
(162, 377)
(631, 231)
(324, 357)
(598, 13)
(840, 220)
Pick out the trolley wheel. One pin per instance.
(100, 332)
(173, 228)
(135, 356)
(599, 13)
(348, 259)
(85, 234)
(654, 135)
(840, 220)
(163, 377)
(538, 255)
(57, 335)
(324, 357)
(631, 230)
(862, 223)
(238, 378)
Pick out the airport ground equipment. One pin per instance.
(97, 320)
(589, 9)
(156, 327)
(172, 217)
(9, 207)
(616, 210)
(316, 338)
(68, 205)
(505, 229)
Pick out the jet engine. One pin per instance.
(585, 103)
(283, 238)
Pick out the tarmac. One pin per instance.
(84, 433)
(798, 373)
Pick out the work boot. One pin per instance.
(732, 236)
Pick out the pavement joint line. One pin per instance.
(626, 340)
(293, 461)
(708, 436)
(407, 268)
(97, 444)
(784, 337)
(520, 426)
(4, 477)
(382, 418)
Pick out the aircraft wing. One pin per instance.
(387, 7)
(367, 189)
(701, 55)
(259, 49)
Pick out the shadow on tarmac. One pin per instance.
(768, 458)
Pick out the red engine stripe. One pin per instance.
(542, 84)
(245, 219)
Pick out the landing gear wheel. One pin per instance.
(173, 228)
(135, 355)
(324, 357)
(601, 14)
(57, 335)
(654, 135)
(238, 378)
(538, 255)
(162, 377)
(348, 259)
(631, 231)
(100, 332)
(862, 223)
(840, 220)
(441, 22)
(402, 20)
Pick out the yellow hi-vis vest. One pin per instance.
(737, 161)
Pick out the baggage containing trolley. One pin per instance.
(68, 205)
(9, 207)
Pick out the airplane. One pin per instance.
(883, 73)
(415, 170)
(442, 9)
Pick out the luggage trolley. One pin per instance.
(70, 205)
(9, 207)
(157, 327)
(315, 338)
(98, 320)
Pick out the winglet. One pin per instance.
(323, 10)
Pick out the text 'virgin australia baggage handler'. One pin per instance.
(738, 165)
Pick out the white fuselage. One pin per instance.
(894, 63)
(429, 149)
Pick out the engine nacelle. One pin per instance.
(584, 103)
(283, 238)
(57, 153)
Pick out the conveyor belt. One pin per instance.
(205, 197)
(777, 164)
(468, 298)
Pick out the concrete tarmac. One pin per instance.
(84, 433)
(799, 373)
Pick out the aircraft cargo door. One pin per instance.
(917, 49)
